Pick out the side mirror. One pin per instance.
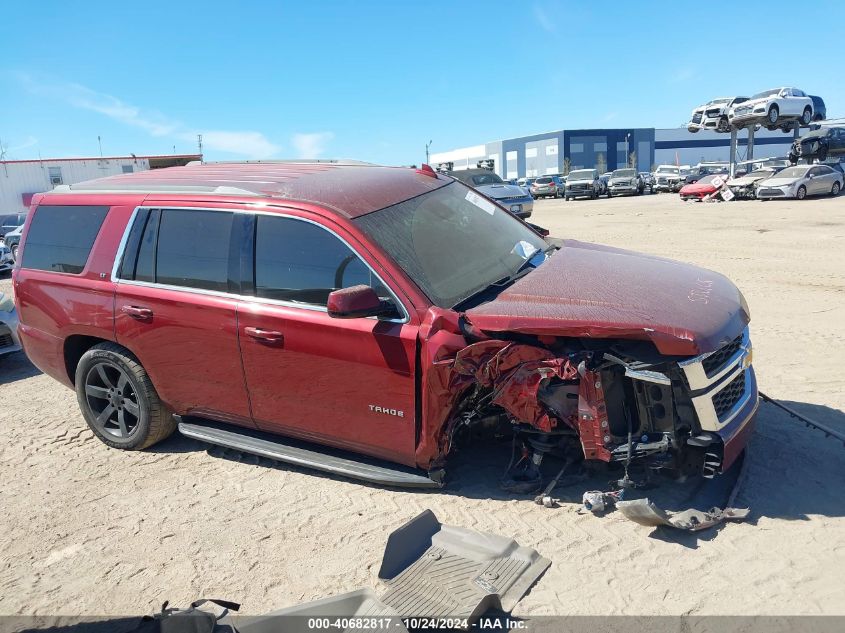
(357, 302)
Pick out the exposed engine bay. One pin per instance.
(598, 401)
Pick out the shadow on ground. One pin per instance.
(15, 367)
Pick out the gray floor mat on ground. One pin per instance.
(431, 570)
(444, 571)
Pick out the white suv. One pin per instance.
(772, 107)
(713, 115)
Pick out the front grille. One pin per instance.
(713, 363)
(769, 192)
(725, 400)
(5, 340)
(512, 198)
(713, 112)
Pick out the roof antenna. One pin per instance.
(199, 145)
(100, 143)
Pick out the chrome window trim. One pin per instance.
(231, 295)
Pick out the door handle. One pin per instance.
(136, 312)
(265, 336)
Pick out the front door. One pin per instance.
(174, 311)
(343, 382)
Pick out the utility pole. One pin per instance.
(199, 144)
(628, 150)
(427, 145)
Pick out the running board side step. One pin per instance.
(278, 451)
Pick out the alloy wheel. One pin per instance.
(112, 400)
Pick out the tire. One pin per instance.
(773, 115)
(723, 125)
(822, 152)
(793, 158)
(14, 250)
(801, 193)
(834, 190)
(807, 116)
(109, 377)
(566, 198)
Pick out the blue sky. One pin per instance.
(377, 80)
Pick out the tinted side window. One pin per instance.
(193, 249)
(145, 267)
(60, 237)
(299, 261)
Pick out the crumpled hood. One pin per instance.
(497, 192)
(744, 181)
(592, 291)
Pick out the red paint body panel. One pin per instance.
(349, 190)
(697, 190)
(319, 381)
(189, 347)
(592, 291)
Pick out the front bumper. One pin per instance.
(581, 193)
(9, 341)
(770, 193)
(723, 391)
(621, 189)
(548, 191)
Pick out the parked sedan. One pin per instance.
(801, 181)
(546, 187)
(512, 197)
(705, 186)
(819, 144)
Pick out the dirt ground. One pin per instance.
(85, 529)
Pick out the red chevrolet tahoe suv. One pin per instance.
(272, 307)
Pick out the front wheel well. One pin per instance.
(75, 346)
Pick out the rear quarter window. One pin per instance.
(60, 237)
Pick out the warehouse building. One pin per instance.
(22, 179)
(608, 149)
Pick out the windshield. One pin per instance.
(667, 170)
(582, 174)
(718, 101)
(793, 172)
(624, 173)
(761, 173)
(709, 179)
(452, 242)
(766, 93)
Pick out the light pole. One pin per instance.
(628, 149)
(427, 145)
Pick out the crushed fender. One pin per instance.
(515, 373)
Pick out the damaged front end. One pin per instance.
(601, 400)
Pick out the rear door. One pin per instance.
(175, 309)
(344, 382)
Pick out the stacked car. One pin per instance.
(819, 145)
(777, 108)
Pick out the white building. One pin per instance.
(21, 179)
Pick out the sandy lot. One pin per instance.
(89, 530)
